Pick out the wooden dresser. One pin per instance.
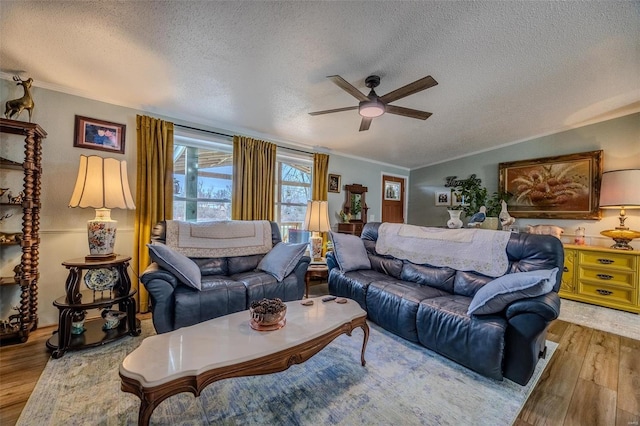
(353, 228)
(602, 276)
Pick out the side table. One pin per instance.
(315, 271)
(75, 302)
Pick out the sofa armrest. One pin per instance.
(547, 306)
(528, 320)
(154, 271)
(331, 260)
(300, 271)
(161, 285)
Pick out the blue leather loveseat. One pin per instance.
(228, 284)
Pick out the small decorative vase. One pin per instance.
(454, 221)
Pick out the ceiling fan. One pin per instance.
(372, 105)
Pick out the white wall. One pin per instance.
(63, 230)
(618, 138)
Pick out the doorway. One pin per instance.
(393, 198)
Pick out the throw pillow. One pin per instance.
(350, 252)
(282, 259)
(496, 295)
(178, 264)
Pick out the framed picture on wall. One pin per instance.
(97, 134)
(334, 183)
(443, 198)
(560, 187)
(456, 198)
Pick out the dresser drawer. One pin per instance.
(603, 260)
(603, 293)
(606, 276)
(567, 282)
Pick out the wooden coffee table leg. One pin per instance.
(146, 409)
(365, 328)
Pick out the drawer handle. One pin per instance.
(604, 276)
(605, 261)
(604, 292)
(565, 269)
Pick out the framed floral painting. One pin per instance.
(561, 187)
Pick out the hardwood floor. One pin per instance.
(592, 379)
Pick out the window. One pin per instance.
(293, 190)
(203, 174)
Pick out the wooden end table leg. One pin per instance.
(307, 278)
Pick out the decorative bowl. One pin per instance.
(268, 314)
(112, 318)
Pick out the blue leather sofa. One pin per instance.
(428, 305)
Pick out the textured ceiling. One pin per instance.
(507, 71)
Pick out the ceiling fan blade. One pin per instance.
(409, 89)
(365, 123)
(329, 111)
(408, 112)
(347, 87)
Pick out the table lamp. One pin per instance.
(316, 220)
(102, 184)
(620, 189)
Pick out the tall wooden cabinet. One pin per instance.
(30, 135)
(602, 276)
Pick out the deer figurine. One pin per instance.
(16, 106)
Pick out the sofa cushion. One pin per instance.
(498, 294)
(353, 284)
(212, 265)
(178, 264)
(261, 285)
(477, 342)
(219, 296)
(440, 278)
(393, 304)
(282, 259)
(350, 252)
(385, 264)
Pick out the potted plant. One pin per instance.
(473, 196)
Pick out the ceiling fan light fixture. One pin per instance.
(371, 108)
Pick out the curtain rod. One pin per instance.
(231, 136)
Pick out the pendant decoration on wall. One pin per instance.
(15, 107)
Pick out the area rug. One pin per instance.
(402, 384)
(601, 318)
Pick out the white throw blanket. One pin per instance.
(480, 250)
(219, 239)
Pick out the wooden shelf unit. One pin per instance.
(31, 136)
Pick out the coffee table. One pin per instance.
(191, 358)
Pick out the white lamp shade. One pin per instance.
(317, 217)
(102, 183)
(620, 188)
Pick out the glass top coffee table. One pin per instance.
(191, 358)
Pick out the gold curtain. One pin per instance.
(254, 174)
(154, 190)
(320, 189)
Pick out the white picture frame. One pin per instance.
(443, 198)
